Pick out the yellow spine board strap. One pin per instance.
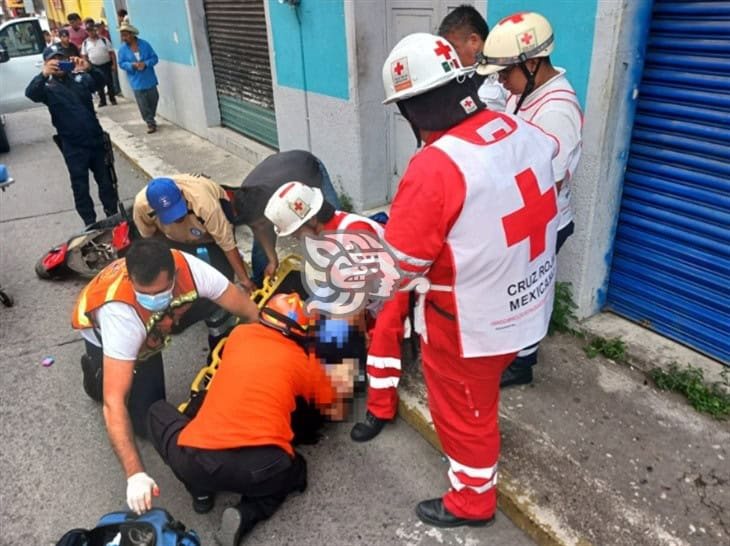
(291, 263)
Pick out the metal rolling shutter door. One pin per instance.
(240, 52)
(671, 262)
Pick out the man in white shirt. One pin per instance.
(99, 52)
(466, 30)
(518, 50)
(126, 315)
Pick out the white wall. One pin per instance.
(616, 67)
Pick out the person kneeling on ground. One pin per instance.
(241, 438)
(126, 316)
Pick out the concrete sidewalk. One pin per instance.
(591, 453)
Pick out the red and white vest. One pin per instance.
(342, 221)
(502, 244)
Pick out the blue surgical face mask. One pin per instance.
(155, 302)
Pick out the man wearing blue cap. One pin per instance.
(194, 214)
(68, 95)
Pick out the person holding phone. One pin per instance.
(66, 86)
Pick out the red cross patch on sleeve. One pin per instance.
(399, 73)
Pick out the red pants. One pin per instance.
(383, 378)
(463, 397)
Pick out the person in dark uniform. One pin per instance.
(68, 96)
(258, 187)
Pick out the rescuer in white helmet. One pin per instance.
(475, 214)
(518, 50)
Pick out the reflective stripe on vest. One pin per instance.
(113, 284)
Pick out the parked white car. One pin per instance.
(21, 58)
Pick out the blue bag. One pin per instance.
(154, 528)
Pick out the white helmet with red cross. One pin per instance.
(291, 206)
(418, 63)
(515, 39)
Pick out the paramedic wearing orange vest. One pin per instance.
(476, 215)
(126, 315)
(241, 438)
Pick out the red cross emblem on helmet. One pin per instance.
(401, 75)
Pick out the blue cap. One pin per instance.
(53, 51)
(165, 198)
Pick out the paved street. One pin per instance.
(58, 469)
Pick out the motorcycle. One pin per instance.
(88, 252)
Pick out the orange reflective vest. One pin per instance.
(114, 284)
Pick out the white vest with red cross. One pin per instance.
(503, 241)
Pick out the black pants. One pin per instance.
(262, 475)
(148, 385)
(106, 70)
(79, 161)
(147, 100)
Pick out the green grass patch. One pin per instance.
(563, 317)
(345, 202)
(711, 398)
(613, 348)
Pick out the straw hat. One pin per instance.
(128, 27)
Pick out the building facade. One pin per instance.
(651, 194)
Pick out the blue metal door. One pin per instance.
(671, 258)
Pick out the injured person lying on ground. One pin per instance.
(270, 390)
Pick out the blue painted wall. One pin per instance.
(573, 23)
(324, 37)
(163, 23)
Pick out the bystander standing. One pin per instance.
(137, 59)
(100, 53)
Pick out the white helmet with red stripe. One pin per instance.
(515, 39)
(291, 206)
(418, 63)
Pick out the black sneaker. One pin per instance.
(203, 504)
(364, 432)
(516, 374)
(231, 529)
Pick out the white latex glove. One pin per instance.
(140, 489)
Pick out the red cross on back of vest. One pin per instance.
(531, 221)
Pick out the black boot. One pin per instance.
(364, 432)
(202, 504)
(516, 375)
(433, 512)
(519, 372)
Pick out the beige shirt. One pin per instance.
(207, 222)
